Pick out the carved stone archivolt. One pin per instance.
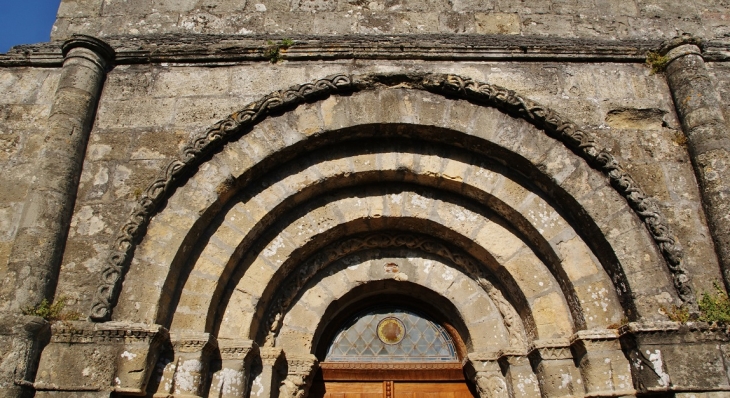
(579, 141)
(305, 272)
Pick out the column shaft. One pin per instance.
(38, 248)
(698, 107)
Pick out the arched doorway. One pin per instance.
(281, 226)
(389, 351)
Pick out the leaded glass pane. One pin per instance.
(391, 335)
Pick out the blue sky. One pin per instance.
(26, 21)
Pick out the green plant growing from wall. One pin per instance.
(52, 311)
(274, 50)
(714, 308)
(677, 313)
(657, 62)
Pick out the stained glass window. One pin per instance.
(391, 335)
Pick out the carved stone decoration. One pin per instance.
(486, 374)
(519, 374)
(300, 371)
(232, 379)
(552, 360)
(192, 361)
(113, 356)
(323, 258)
(491, 386)
(603, 366)
(579, 141)
(657, 352)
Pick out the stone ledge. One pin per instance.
(669, 356)
(228, 48)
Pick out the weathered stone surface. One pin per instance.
(545, 228)
(100, 357)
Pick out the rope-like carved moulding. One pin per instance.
(579, 141)
(336, 251)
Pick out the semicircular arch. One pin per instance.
(534, 155)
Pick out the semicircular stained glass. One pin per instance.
(375, 336)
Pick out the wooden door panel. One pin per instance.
(357, 389)
(353, 389)
(431, 390)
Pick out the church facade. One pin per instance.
(340, 198)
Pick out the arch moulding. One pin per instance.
(204, 145)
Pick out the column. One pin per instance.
(191, 364)
(556, 371)
(38, 248)
(35, 257)
(603, 366)
(519, 375)
(299, 374)
(487, 376)
(231, 381)
(698, 107)
(266, 384)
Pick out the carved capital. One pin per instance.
(242, 350)
(551, 349)
(269, 355)
(491, 385)
(300, 370)
(301, 365)
(679, 41)
(193, 343)
(595, 340)
(103, 53)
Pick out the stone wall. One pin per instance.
(24, 110)
(147, 113)
(616, 19)
(514, 169)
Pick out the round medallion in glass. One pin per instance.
(391, 335)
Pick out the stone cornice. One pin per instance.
(108, 332)
(222, 49)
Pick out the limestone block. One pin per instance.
(487, 375)
(498, 23)
(522, 380)
(552, 316)
(603, 366)
(232, 379)
(667, 356)
(192, 361)
(533, 277)
(556, 371)
(112, 356)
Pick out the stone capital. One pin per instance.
(551, 349)
(203, 343)
(269, 355)
(242, 350)
(682, 50)
(301, 364)
(104, 53)
(680, 41)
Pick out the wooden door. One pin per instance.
(373, 380)
(389, 389)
